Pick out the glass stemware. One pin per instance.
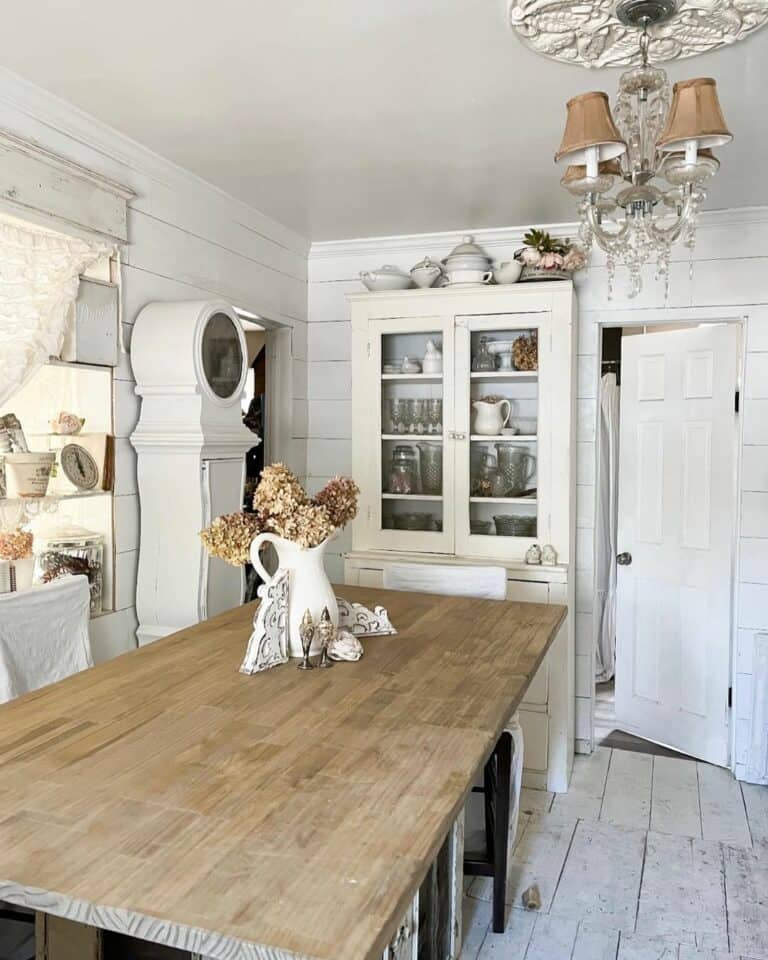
(417, 415)
(398, 415)
(435, 415)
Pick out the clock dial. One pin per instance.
(79, 466)
(222, 356)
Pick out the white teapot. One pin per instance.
(489, 419)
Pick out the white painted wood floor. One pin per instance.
(645, 858)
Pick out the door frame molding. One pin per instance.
(653, 317)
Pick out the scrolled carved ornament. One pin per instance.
(588, 32)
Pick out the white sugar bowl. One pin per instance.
(425, 273)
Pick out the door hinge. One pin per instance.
(730, 697)
(736, 402)
(368, 349)
(370, 513)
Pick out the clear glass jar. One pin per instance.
(482, 360)
(403, 472)
(72, 550)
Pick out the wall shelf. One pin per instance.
(411, 496)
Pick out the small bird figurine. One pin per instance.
(307, 634)
(326, 632)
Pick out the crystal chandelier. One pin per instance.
(652, 136)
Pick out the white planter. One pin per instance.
(309, 587)
(27, 474)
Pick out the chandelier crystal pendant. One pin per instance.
(652, 135)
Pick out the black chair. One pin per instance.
(497, 788)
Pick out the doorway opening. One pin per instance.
(665, 537)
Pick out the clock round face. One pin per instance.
(222, 357)
(79, 466)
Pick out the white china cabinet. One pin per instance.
(471, 464)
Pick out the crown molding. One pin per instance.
(498, 236)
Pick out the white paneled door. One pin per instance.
(677, 516)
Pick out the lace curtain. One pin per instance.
(39, 277)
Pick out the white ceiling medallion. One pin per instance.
(589, 32)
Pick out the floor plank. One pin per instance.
(601, 878)
(675, 798)
(756, 803)
(638, 947)
(723, 817)
(553, 938)
(585, 793)
(595, 943)
(746, 884)
(537, 858)
(683, 891)
(512, 944)
(627, 798)
(476, 921)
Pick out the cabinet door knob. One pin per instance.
(624, 559)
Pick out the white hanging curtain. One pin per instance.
(607, 525)
(39, 277)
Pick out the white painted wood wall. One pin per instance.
(187, 240)
(727, 274)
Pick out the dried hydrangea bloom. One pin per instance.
(339, 497)
(307, 526)
(279, 492)
(229, 537)
(15, 544)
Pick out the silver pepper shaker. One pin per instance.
(307, 635)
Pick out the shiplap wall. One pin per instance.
(725, 277)
(187, 240)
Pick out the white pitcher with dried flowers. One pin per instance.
(300, 529)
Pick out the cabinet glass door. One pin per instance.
(500, 464)
(413, 362)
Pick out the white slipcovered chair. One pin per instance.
(43, 635)
(503, 772)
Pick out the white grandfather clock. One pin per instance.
(190, 364)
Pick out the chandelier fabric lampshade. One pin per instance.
(695, 114)
(589, 124)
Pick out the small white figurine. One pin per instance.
(533, 554)
(345, 646)
(548, 555)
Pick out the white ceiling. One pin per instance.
(350, 118)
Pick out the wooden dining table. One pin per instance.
(291, 813)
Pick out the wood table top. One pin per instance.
(166, 795)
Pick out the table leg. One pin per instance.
(501, 830)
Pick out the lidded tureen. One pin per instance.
(467, 256)
(467, 264)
